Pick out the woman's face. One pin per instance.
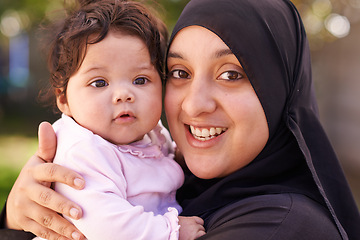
(214, 114)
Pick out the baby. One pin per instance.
(106, 66)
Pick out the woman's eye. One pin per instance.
(231, 75)
(179, 74)
(140, 81)
(99, 83)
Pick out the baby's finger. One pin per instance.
(198, 220)
(200, 233)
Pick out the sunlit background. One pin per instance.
(333, 28)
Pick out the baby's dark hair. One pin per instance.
(90, 23)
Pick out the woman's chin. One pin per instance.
(204, 171)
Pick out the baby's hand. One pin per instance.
(191, 228)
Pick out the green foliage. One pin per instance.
(14, 152)
(36, 10)
(7, 178)
(172, 10)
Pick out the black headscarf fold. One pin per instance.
(269, 40)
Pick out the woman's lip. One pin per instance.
(198, 142)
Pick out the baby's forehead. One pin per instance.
(122, 49)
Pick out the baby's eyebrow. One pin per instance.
(92, 69)
(146, 66)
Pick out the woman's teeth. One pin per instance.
(204, 134)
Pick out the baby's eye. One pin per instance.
(231, 76)
(99, 83)
(140, 81)
(179, 74)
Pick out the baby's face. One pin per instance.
(116, 93)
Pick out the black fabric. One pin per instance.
(269, 40)
(2, 217)
(9, 234)
(272, 217)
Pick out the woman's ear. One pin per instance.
(61, 101)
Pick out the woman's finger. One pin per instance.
(48, 223)
(50, 172)
(47, 233)
(54, 201)
(47, 142)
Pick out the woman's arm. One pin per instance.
(272, 217)
(32, 205)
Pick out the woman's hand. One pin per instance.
(32, 205)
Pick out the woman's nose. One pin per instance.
(199, 98)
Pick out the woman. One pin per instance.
(241, 108)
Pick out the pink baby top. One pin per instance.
(130, 189)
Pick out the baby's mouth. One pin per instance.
(124, 117)
(204, 134)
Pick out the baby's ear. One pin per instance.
(61, 101)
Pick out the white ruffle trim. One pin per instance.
(140, 153)
(172, 216)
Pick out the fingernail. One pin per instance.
(74, 213)
(79, 182)
(75, 235)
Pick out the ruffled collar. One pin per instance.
(148, 147)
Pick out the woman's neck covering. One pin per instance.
(269, 40)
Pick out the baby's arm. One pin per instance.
(191, 228)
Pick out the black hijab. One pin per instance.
(269, 40)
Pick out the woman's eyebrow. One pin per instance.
(218, 54)
(175, 55)
(222, 53)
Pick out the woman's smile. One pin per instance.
(204, 134)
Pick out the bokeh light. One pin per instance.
(10, 24)
(322, 8)
(13, 23)
(313, 23)
(337, 25)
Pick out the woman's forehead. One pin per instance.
(194, 36)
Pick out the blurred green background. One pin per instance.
(333, 28)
